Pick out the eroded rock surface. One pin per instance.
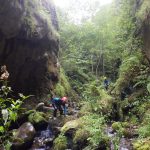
(29, 44)
(23, 136)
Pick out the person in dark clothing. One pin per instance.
(57, 105)
(106, 83)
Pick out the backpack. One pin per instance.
(56, 99)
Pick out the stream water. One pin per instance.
(43, 140)
(124, 144)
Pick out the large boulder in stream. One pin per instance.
(70, 127)
(29, 45)
(23, 136)
(38, 119)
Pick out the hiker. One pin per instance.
(59, 104)
(106, 83)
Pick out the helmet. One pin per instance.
(64, 99)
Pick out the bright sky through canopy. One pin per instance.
(78, 10)
(65, 3)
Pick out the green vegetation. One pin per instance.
(60, 143)
(37, 117)
(88, 131)
(108, 45)
(141, 144)
(143, 10)
(37, 8)
(10, 108)
(62, 87)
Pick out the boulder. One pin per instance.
(70, 127)
(23, 136)
(38, 119)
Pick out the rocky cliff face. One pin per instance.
(29, 44)
(143, 20)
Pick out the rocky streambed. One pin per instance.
(121, 144)
(42, 132)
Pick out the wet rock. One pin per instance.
(23, 136)
(80, 139)
(70, 127)
(42, 143)
(48, 141)
(56, 131)
(43, 139)
(48, 109)
(38, 119)
(72, 111)
(40, 106)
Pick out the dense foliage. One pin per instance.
(108, 44)
(105, 47)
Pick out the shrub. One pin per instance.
(60, 143)
(10, 109)
(116, 126)
(62, 87)
(81, 136)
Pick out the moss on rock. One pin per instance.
(143, 10)
(60, 143)
(85, 109)
(81, 136)
(116, 126)
(37, 8)
(62, 87)
(71, 125)
(128, 71)
(141, 144)
(37, 117)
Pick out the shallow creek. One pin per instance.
(43, 140)
(124, 144)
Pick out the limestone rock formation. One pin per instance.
(29, 44)
(143, 21)
(23, 136)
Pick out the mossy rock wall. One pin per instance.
(143, 23)
(63, 87)
(29, 45)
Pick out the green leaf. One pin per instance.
(8, 145)
(148, 87)
(13, 115)
(2, 129)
